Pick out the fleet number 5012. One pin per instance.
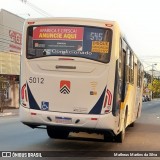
(36, 80)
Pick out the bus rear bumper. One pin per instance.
(73, 122)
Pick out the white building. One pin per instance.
(11, 27)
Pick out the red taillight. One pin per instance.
(107, 101)
(109, 97)
(23, 91)
(24, 97)
(24, 104)
(108, 109)
(31, 22)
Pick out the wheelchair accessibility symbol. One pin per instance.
(44, 106)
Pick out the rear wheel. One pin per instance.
(57, 133)
(138, 111)
(108, 137)
(131, 125)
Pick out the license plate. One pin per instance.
(64, 120)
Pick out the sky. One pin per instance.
(139, 19)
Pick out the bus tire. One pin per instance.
(131, 125)
(57, 133)
(108, 137)
(138, 110)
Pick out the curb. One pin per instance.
(7, 114)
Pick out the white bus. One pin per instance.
(79, 75)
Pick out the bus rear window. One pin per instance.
(75, 41)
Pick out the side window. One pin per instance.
(120, 59)
(139, 76)
(130, 66)
(121, 67)
(127, 66)
(142, 74)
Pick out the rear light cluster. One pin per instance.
(107, 102)
(24, 97)
(31, 22)
(109, 25)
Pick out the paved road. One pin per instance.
(145, 136)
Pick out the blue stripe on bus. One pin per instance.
(98, 106)
(32, 102)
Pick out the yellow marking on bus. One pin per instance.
(123, 104)
(100, 46)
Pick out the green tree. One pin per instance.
(155, 87)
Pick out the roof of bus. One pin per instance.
(72, 19)
(69, 18)
(75, 20)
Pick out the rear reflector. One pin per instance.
(94, 119)
(32, 113)
(23, 104)
(107, 111)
